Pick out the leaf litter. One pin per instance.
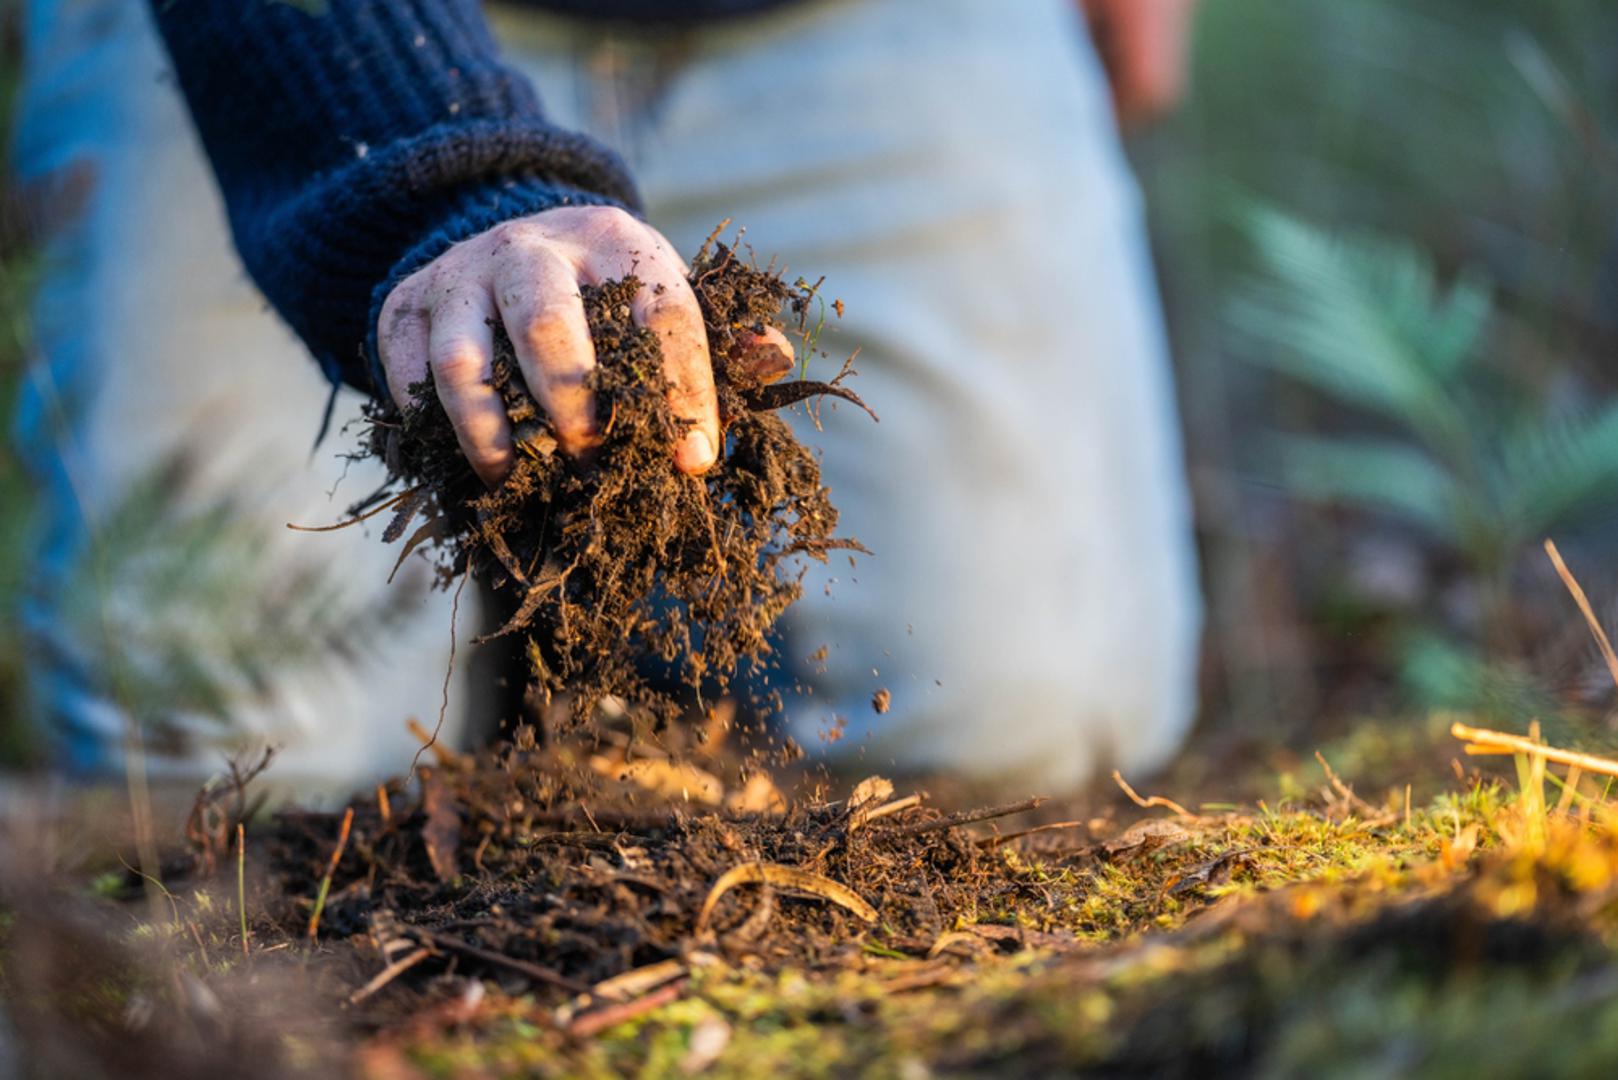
(591, 874)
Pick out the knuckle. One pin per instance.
(612, 220)
(672, 311)
(490, 460)
(508, 231)
(458, 363)
(549, 328)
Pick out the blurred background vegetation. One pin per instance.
(1386, 234)
(17, 270)
(1386, 231)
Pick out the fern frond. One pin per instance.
(185, 617)
(1554, 473)
(1388, 477)
(1364, 320)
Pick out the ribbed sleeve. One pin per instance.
(661, 12)
(354, 140)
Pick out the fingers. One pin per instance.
(673, 315)
(527, 273)
(461, 352)
(538, 294)
(666, 306)
(401, 342)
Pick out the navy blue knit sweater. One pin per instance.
(355, 140)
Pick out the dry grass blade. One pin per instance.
(1148, 803)
(620, 989)
(1343, 791)
(634, 983)
(388, 974)
(1585, 609)
(1486, 741)
(241, 886)
(596, 1021)
(331, 869)
(785, 877)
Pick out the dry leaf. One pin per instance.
(1146, 836)
(871, 790)
(442, 830)
(784, 877)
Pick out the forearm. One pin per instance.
(355, 145)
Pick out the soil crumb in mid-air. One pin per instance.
(619, 565)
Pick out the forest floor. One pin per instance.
(1394, 906)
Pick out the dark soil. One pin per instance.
(526, 867)
(614, 562)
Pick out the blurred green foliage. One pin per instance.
(18, 270)
(174, 612)
(1437, 254)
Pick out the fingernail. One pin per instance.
(696, 452)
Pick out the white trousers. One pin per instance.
(951, 166)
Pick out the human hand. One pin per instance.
(526, 273)
(1143, 44)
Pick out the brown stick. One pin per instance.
(488, 956)
(865, 817)
(598, 1020)
(1500, 741)
(967, 817)
(1147, 804)
(388, 974)
(996, 841)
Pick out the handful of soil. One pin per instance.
(617, 562)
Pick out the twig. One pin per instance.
(1005, 838)
(865, 817)
(1503, 742)
(1147, 804)
(241, 883)
(1584, 608)
(598, 1020)
(488, 956)
(1343, 790)
(331, 869)
(389, 973)
(966, 817)
(383, 807)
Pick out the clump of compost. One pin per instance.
(614, 563)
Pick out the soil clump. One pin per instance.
(631, 581)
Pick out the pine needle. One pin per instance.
(331, 869)
(1485, 741)
(1585, 609)
(241, 883)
